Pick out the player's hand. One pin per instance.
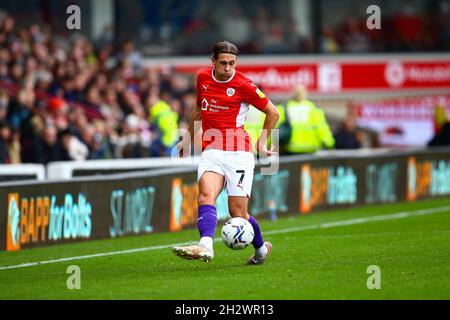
(180, 147)
(264, 152)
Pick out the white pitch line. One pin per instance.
(94, 255)
(399, 215)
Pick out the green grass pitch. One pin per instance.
(311, 259)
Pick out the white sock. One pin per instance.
(207, 242)
(261, 252)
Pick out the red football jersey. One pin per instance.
(224, 106)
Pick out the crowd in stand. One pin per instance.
(408, 30)
(71, 100)
(261, 30)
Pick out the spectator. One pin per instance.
(7, 28)
(131, 56)
(274, 41)
(236, 27)
(99, 144)
(72, 147)
(14, 147)
(440, 118)
(110, 107)
(310, 130)
(442, 133)
(260, 27)
(409, 26)
(328, 43)
(443, 25)
(131, 143)
(58, 109)
(354, 40)
(47, 147)
(3, 70)
(297, 42)
(21, 110)
(5, 134)
(4, 104)
(164, 122)
(44, 80)
(16, 72)
(442, 138)
(347, 136)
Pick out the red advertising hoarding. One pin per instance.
(402, 122)
(343, 75)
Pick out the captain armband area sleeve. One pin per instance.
(254, 96)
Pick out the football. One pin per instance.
(237, 233)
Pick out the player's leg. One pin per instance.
(239, 178)
(238, 207)
(210, 186)
(211, 180)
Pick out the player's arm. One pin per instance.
(272, 116)
(196, 116)
(193, 129)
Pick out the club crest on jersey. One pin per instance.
(230, 92)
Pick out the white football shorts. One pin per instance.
(236, 166)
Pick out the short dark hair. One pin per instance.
(224, 47)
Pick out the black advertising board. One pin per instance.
(36, 214)
(42, 213)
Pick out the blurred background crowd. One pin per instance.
(171, 27)
(74, 96)
(270, 27)
(75, 101)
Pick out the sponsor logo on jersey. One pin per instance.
(230, 92)
(260, 93)
(205, 104)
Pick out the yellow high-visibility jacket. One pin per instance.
(310, 130)
(166, 121)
